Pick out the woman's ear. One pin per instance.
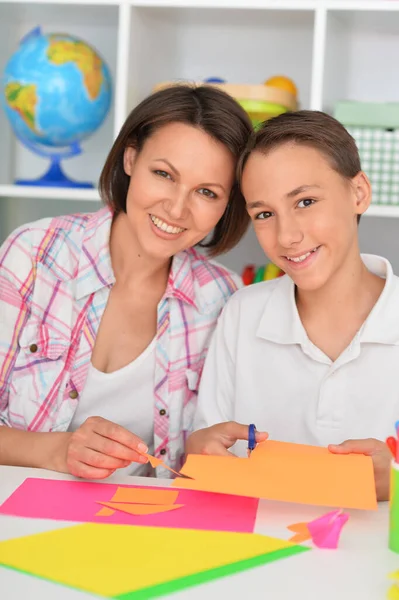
(362, 191)
(129, 158)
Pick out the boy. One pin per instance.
(311, 357)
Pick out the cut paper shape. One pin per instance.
(157, 462)
(113, 561)
(77, 501)
(324, 531)
(105, 512)
(287, 472)
(141, 509)
(301, 533)
(145, 495)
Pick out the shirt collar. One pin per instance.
(95, 267)
(280, 321)
(182, 283)
(382, 324)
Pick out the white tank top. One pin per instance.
(125, 397)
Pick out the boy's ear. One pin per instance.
(129, 158)
(362, 191)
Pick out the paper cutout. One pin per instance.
(288, 472)
(145, 495)
(77, 501)
(157, 462)
(324, 531)
(141, 509)
(301, 531)
(118, 561)
(105, 512)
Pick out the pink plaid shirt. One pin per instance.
(55, 280)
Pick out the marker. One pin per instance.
(251, 439)
(392, 444)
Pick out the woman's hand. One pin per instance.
(217, 439)
(380, 455)
(97, 448)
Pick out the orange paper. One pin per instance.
(141, 509)
(288, 472)
(301, 531)
(144, 495)
(105, 512)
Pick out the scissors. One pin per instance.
(251, 439)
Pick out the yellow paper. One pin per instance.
(288, 472)
(110, 560)
(145, 495)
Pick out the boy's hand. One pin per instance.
(217, 439)
(381, 456)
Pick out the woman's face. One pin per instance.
(179, 188)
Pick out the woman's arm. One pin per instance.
(32, 449)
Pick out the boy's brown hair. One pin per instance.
(204, 107)
(309, 128)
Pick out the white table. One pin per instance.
(356, 571)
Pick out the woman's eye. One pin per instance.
(263, 215)
(161, 173)
(305, 203)
(207, 193)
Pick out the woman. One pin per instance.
(105, 318)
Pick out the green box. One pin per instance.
(375, 128)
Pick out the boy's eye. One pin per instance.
(305, 203)
(207, 193)
(161, 173)
(263, 215)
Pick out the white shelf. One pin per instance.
(332, 49)
(379, 210)
(54, 193)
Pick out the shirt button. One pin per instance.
(73, 394)
(33, 348)
(162, 412)
(163, 451)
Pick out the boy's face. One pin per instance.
(304, 212)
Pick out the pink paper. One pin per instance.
(325, 530)
(77, 501)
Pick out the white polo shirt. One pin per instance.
(262, 368)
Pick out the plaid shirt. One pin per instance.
(55, 280)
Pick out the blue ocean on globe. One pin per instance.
(56, 90)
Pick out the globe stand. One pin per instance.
(55, 176)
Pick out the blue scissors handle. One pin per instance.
(251, 438)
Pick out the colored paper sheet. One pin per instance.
(132, 563)
(145, 495)
(287, 472)
(141, 509)
(77, 501)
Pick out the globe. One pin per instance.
(56, 93)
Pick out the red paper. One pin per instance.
(78, 501)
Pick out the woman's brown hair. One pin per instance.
(205, 107)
